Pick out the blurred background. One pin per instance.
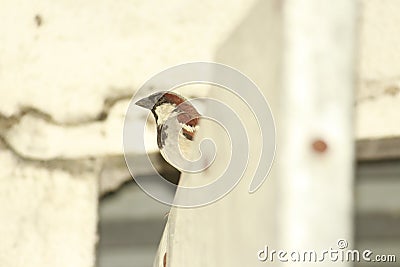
(330, 72)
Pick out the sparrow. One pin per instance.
(167, 106)
(173, 113)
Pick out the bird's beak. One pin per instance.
(145, 103)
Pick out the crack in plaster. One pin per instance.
(74, 166)
(7, 122)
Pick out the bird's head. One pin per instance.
(163, 104)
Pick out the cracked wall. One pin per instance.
(67, 73)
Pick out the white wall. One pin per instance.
(67, 72)
(378, 94)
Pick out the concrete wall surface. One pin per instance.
(67, 72)
(48, 213)
(378, 94)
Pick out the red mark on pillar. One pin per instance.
(319, 146)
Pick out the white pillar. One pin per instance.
(316, 152)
